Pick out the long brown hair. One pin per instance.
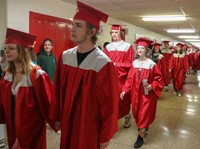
(23, 58)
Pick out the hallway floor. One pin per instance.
(177, 123)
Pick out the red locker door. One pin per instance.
(50, 32)
(44, 26)
(37, 28)
(61, 37)
(68, 42)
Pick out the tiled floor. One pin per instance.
(177, 123)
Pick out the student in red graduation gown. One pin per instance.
(178, 66)
(121, 53)
(167, 52)
(85, 101)
(24, 105)
(158, 58)
(146, 83)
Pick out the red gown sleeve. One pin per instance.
(2, 118)
(43, 89)
(128, 84)
(107, 92)
(158, 82)
(54, 113)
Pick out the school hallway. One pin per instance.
(176, 125)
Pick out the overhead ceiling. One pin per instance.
(132, 11)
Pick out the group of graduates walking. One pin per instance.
(92, 88)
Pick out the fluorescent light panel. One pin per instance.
(180, 31)
(196, 44)
(193, 37)
(164, 18)
(194, 40)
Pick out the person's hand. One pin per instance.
(104, 145)
(170, 70)
(58, 125)
(122, 95)
(149, 87)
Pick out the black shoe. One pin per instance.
(127, 122)
(139, 142)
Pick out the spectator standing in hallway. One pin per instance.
(178, 66)
(145, 82)
(167, 52)
(24, 104)
(122, 54)
(86, 88)
(46, 60)
(158, 58)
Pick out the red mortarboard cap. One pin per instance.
(156, 45)
(166, 42)
(90, 15)
(116, 27)
(186, 45)
(179, 45)
(19, 38)
(143, 42)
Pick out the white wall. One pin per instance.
(18, 11)
(3, 22)
(18, 18)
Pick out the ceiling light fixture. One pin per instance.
(193, 37)
(196, 44)
(193, 40)
(180, 30)
(164, 18)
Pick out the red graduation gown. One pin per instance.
(167, 53)
(122, 56)
(196, 61)
(85, 100)
(162, 64)
(25, 117)
(144, 106)
(179, 66)
(191, 60)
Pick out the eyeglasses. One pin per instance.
(139, 72)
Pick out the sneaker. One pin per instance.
(138, 142)
(166, 88)
(127, 122)
(2, 144)
(179, 94)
